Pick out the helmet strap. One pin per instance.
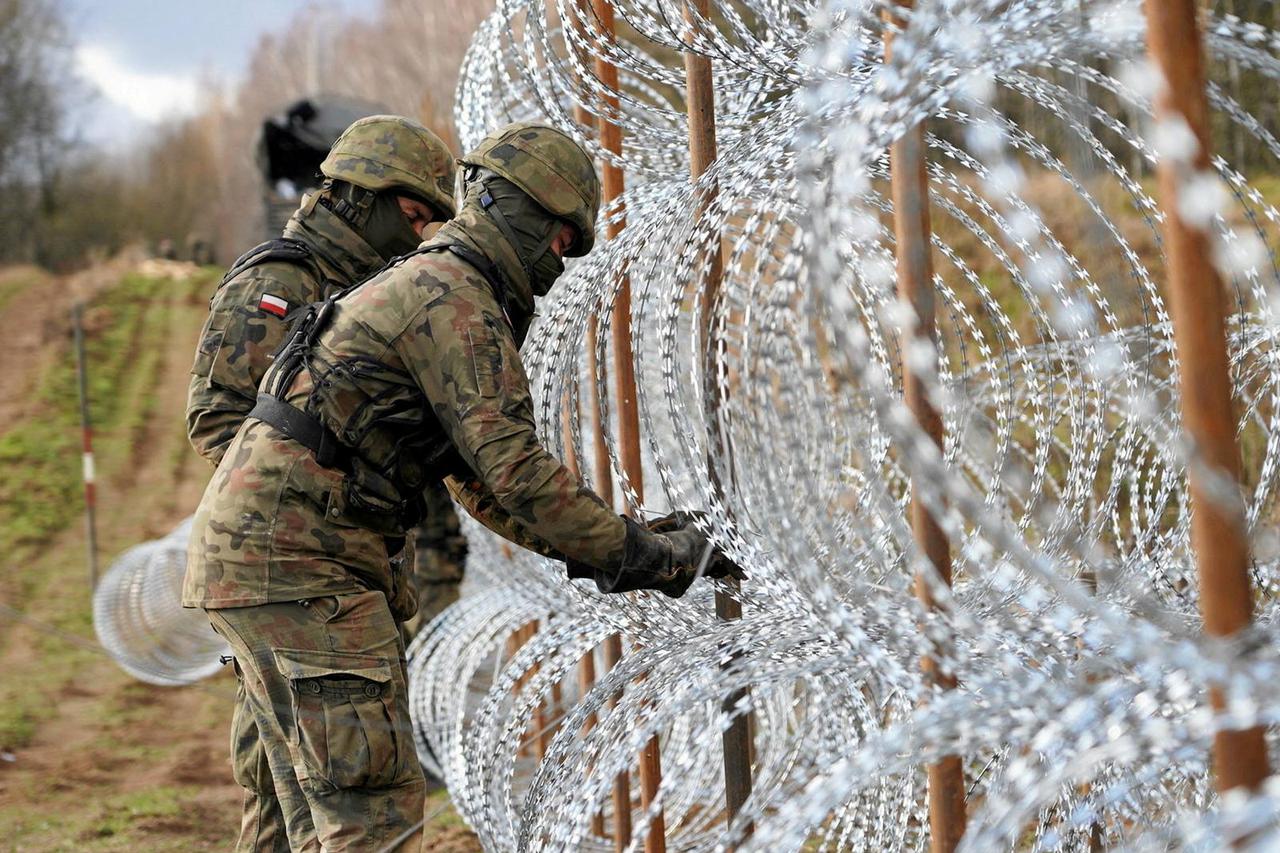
(309, 202)
(496, 214)
(353, 211)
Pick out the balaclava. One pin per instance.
(376, 217)
(526, 225)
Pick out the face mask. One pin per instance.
(528, 227)
(388, 230)
(546, 270)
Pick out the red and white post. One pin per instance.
(86, 433)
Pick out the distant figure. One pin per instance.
(292, 144)
(200, 251)
(166, 250)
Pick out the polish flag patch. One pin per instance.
(273, 304)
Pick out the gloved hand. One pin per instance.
(689, 546)
(665, 556)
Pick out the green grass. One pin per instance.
(17, 726)
(121, 810)
(41, 493)
(446, 819)
(106, 826)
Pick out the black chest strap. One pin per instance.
(282, 249)
(489, 270)
(304, 429)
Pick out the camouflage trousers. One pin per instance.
(321, 739)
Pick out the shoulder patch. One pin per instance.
(273, 304)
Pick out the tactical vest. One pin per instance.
(386, 463)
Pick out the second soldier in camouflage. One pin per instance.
(386, 178)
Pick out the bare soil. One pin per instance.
(91, 759)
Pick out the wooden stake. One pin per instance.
(612, 647)
(1196, 302)
(700, 96)
(622, 784)
(586, 681)
(587, 666)
(613, 185)
(912, 233)
(612, 644)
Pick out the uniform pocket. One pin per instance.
(344, 708)
(207, 354)
(486, 360)
(249, 765)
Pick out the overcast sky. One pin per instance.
(144, 57)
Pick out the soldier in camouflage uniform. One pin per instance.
(412, 377)
(387, 178)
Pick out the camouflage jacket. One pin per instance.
(247, 321)
(422, 356)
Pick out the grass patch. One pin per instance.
(126, 328)
(448, 819)
(124, 809)
(17, 727)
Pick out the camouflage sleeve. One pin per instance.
(242, 331)
(465, 358)
(481, 505)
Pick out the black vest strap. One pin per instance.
(489, 270)
(285, 249)
(304, 429)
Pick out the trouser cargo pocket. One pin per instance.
(343, 711)
(249, 765)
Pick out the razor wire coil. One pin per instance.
(1082, 712)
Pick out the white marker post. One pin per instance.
(86, 431)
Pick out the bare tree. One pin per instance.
(35, 81)
(405, 59)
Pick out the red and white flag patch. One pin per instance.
(273, 304)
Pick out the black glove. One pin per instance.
(664, 556)
(689, 546)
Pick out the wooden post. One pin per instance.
(912, 234)
(1196, 302)
(625, 379)
(612, 644)
(86, 438)
(701, 108)
(613, 185)
(586, 681)
(515, 642)
(621, 784)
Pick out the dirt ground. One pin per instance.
(91, 759)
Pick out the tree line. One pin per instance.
(190, 180)
(195, 179)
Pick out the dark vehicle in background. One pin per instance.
(292, 145)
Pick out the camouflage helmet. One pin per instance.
(551, 168)
(387, 152)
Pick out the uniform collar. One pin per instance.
(473, 227)
(343, 255)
